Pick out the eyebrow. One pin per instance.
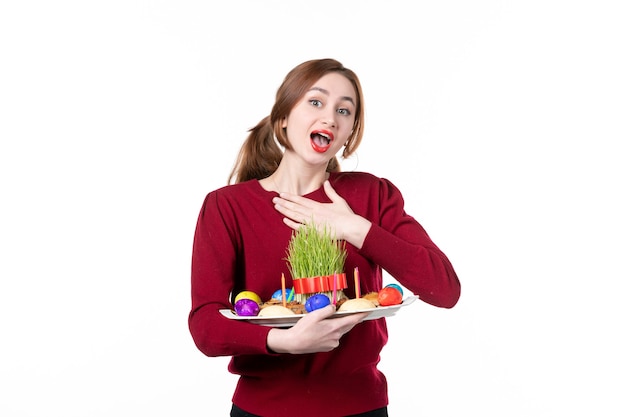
(322, 90)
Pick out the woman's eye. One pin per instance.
(315, 103)
(344, 112)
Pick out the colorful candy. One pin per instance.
(278, 294)
(251, 295)
(396, 286)
(316, 301)
(389, 296)
(247, 307)
(248, 303)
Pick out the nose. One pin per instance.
(329, 120)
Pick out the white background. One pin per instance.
(501, 121)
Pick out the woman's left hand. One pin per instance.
(337, 215)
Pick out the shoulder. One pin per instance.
(231, 193)
(361, 180)
(354, 177)
(360, 186)
(236, 190)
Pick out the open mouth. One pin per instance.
(321, 140)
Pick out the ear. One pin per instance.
(283, 123)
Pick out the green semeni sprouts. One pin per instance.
(315, 253)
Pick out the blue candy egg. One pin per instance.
(316, 301)
(278, 294)
(397, 287)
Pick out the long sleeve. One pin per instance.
(400, 245)
(213, 273)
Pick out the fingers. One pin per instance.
(322, 313)
(301, 209)
(298, 210)
(341, 325)
(317, 331)
(347, 322)
(291, 223)
(295, 208)
(292, 200)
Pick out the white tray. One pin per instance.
(290, 320)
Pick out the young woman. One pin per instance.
(320, 367)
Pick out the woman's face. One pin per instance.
(321, 122)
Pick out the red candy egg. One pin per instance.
(389, 296)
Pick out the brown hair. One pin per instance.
(259, 156)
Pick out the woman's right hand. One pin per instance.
(315, 332)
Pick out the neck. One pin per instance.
(296, 181)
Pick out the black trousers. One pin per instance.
(381, 412)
